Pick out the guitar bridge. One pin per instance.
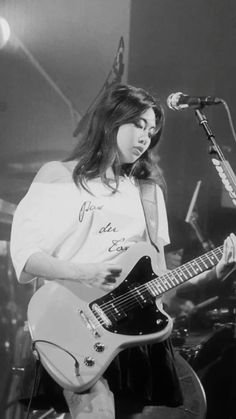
(88, 323)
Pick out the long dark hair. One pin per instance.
(96, 150)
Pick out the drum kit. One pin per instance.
(211, 354)
(206, 338)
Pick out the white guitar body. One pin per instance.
(60, 313)
(77, 330)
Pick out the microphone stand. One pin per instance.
(222, 166)
(228, 179)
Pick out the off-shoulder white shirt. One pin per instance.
(69, 223)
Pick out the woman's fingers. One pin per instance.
(230, 249)
(228, 261)
(110, 279)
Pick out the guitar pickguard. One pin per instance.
(128, 311)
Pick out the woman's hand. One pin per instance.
(228, 261)
(101, 275)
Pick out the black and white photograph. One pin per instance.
(117, 209)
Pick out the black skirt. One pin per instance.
(139, 376)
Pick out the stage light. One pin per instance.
(5, 32)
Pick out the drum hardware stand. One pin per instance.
(232, 393)
(192, 219)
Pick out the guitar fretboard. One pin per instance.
(185, 272)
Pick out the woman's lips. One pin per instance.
(138, 150)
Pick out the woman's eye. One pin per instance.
(151, 133)
(139, 124)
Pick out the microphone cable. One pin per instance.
(224, 103)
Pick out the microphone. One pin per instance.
(178, 101)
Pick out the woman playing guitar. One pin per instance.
(78, 220)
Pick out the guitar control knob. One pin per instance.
(99, 347)
(89, 361)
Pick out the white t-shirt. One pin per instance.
(72, 224)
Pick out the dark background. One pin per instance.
(188, 46)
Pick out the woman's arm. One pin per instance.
(40, 264)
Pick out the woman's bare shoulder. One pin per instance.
(54, 171)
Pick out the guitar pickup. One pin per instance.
(97, 310)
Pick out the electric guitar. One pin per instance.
(77, 330)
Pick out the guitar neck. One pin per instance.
(185, 272)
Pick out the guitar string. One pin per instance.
(129, 296)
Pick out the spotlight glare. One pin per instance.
(5, 32)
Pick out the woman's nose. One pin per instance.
(143, 138)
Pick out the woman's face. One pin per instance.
(134, 138)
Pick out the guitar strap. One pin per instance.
(148, 197)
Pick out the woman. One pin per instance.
(81, 215)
